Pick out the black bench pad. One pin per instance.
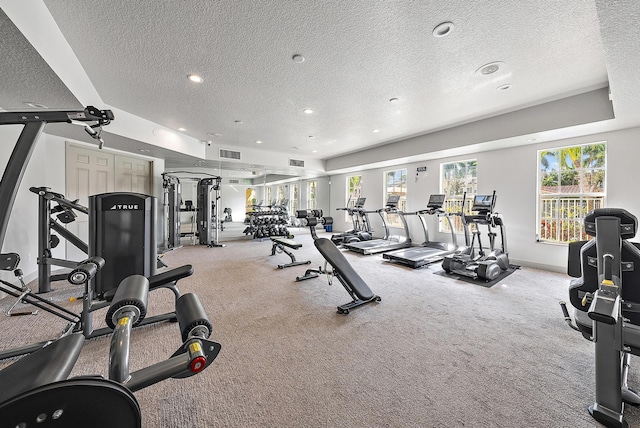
(338, 261)
(50, 364)
(170, 276)
(286, 242)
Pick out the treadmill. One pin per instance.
(429, 252)
(389, 242)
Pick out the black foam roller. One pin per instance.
(327, 220)
(133, 290)
(190, 314)
(312, 221)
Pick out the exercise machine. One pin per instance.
(361, 227)
(37, 391)
(172, 201)
(122, 231)
(357, 288)
(208, 214)
(83, 275)
(389, 242)
(33, 123)
(485, 266)
(430, 251)
(49, 204)
(606, 300)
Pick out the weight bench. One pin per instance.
(279, 245)
(342, 269)
(347, 275)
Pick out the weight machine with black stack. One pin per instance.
(208, 214)
(172, 202)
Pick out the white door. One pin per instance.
(93, 171)
(88, 172)
(132, 175)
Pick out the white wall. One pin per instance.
(512, 173)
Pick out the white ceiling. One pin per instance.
(358, 55)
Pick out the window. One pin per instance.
(294, 198)
(267, 196)
(571, 183)
(456, 178)
(280, 198)
(312, 195)
(396, 185)
(354, 191)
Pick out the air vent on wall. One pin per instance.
(294, 162)
(229, 154)
(231, 181)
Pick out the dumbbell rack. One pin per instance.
(264, 224)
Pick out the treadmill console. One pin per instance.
(484, 203)
(436, 202)
(393, 200)
(360, 202)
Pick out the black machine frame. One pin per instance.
(208, 211)
(65, 213)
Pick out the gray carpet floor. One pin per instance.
(435, 352)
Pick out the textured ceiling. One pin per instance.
(358, 56)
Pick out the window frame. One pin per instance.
(452, 202)
(393, 220)
(587, 200)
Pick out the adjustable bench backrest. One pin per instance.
(50, 364)
(630, 257)
(343, 268)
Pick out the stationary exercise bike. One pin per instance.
(606, 298)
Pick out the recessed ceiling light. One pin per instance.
(239, 122)
(307, 111)
(35, 105)
(314, 151)
(393, 100)
(298, 58)
(376, 130)
(504, 87)
(295, 148)
(181, 129)
(143, 150)
(211, 134)
(258, 142)
(195, 78)
(490, 68)
(443, 29)
(531, 140)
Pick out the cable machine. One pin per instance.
(208, 214)
(172, 201)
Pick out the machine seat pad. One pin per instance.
(286, 242)
(50, 364)
(158, 280)
(338, 261)
(170, 275)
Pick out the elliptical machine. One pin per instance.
(361, 227)
(484, 266)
